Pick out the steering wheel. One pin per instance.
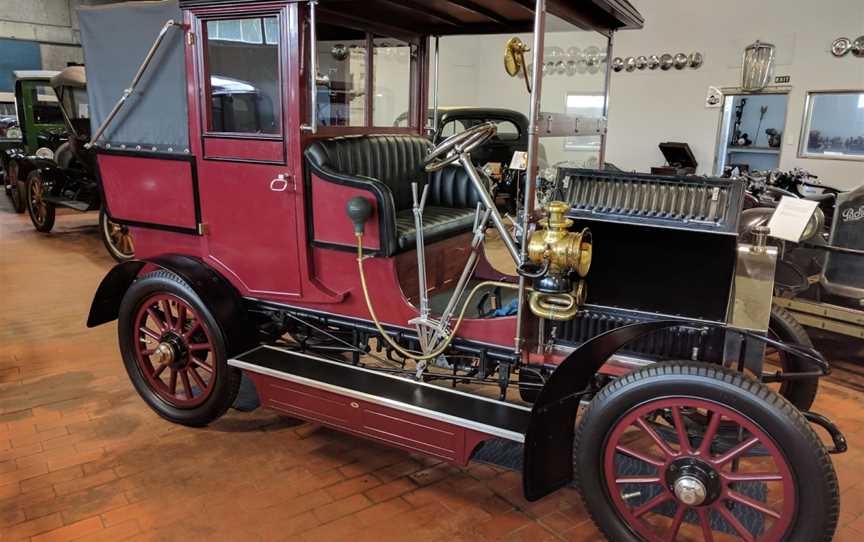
(449, 150)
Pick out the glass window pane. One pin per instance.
(271, 30)
(391, 81)
(244, 78)
(835, 125)
(342, 69)
(46, 108)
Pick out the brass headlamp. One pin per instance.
(555, 296)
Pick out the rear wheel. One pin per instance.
(174, 351)
(696, 452)
(42, 213)
(17, 189)
(784, 327)
(116, 237)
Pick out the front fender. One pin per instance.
(548, 452)
(220, 297)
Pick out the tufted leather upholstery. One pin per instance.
(387, 165)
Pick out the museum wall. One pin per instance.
(647, 107)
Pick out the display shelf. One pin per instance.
(753, 150)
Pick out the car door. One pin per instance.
(247, 179)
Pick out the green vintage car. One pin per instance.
(40, 129)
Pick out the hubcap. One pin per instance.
(690, 491)
(163, 354)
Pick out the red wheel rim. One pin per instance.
(174, 350)
(680, 446)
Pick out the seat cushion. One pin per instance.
(438, 223)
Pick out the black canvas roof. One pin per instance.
(446, 17)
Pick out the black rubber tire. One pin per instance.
(18, 192)
(817, 494)
(47, 224)
(114, 251)
(227, 378)
(784, 326)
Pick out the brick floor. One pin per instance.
(82, 458)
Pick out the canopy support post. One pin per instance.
(533, 143)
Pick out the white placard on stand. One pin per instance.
(791, 217)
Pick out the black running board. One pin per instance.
(422, 417)
(81, 206)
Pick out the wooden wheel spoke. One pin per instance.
(197, 378)
(150, 333)
(746, 501)
(187, 387)
(198, 347)
(169, 317)
(681, 431)
(638, 480)
(676, 522)
(639, 455)
(710, 433)
(159, 370)
(195, 327)
(732, 477)
(705, 524)
(735, 452)
(181, 318)
(201, 364)
(157, 318)
(733, 522)
(658, 440)
(651, 504)
(172, 384)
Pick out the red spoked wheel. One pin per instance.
(175, 352)
(689, 451)
(694, 472)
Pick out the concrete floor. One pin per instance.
(82, 457)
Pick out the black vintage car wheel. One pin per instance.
(17, 189)
(690, 451)
(42, 213)
(116, 237)
(174, 351)
(784, 327)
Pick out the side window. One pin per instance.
(391, 81)
(364, 80)
(342, 70)
(46, 109)
(243, 70)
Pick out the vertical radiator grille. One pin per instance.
(623, 196)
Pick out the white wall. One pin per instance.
(649, 107)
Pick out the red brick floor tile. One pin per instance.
(116, 533)
(383, 511)
(342, 507)
(33, 527)
(392, 489)
(86, 527)
(351, 486)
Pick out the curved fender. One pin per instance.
(218, 294)
(548, 451)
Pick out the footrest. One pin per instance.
(417, 416)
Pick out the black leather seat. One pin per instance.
(386, 165)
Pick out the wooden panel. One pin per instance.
(270, 151)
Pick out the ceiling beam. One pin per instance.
(468, 5)
(425, 10)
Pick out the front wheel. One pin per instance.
(801, 392)
(42, 213)
(116, 237)
(689, 451)
(174, 351)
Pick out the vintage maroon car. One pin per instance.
(295, 236)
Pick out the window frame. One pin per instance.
(804, 135)
(206, 95)
(417, 60)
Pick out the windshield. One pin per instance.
(75, 103)
(46, 110)
(574, 82)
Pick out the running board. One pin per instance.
(416, 416)
(71, 203)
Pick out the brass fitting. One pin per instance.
(558, 307)
(564, 249)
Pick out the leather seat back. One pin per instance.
(396, 161)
